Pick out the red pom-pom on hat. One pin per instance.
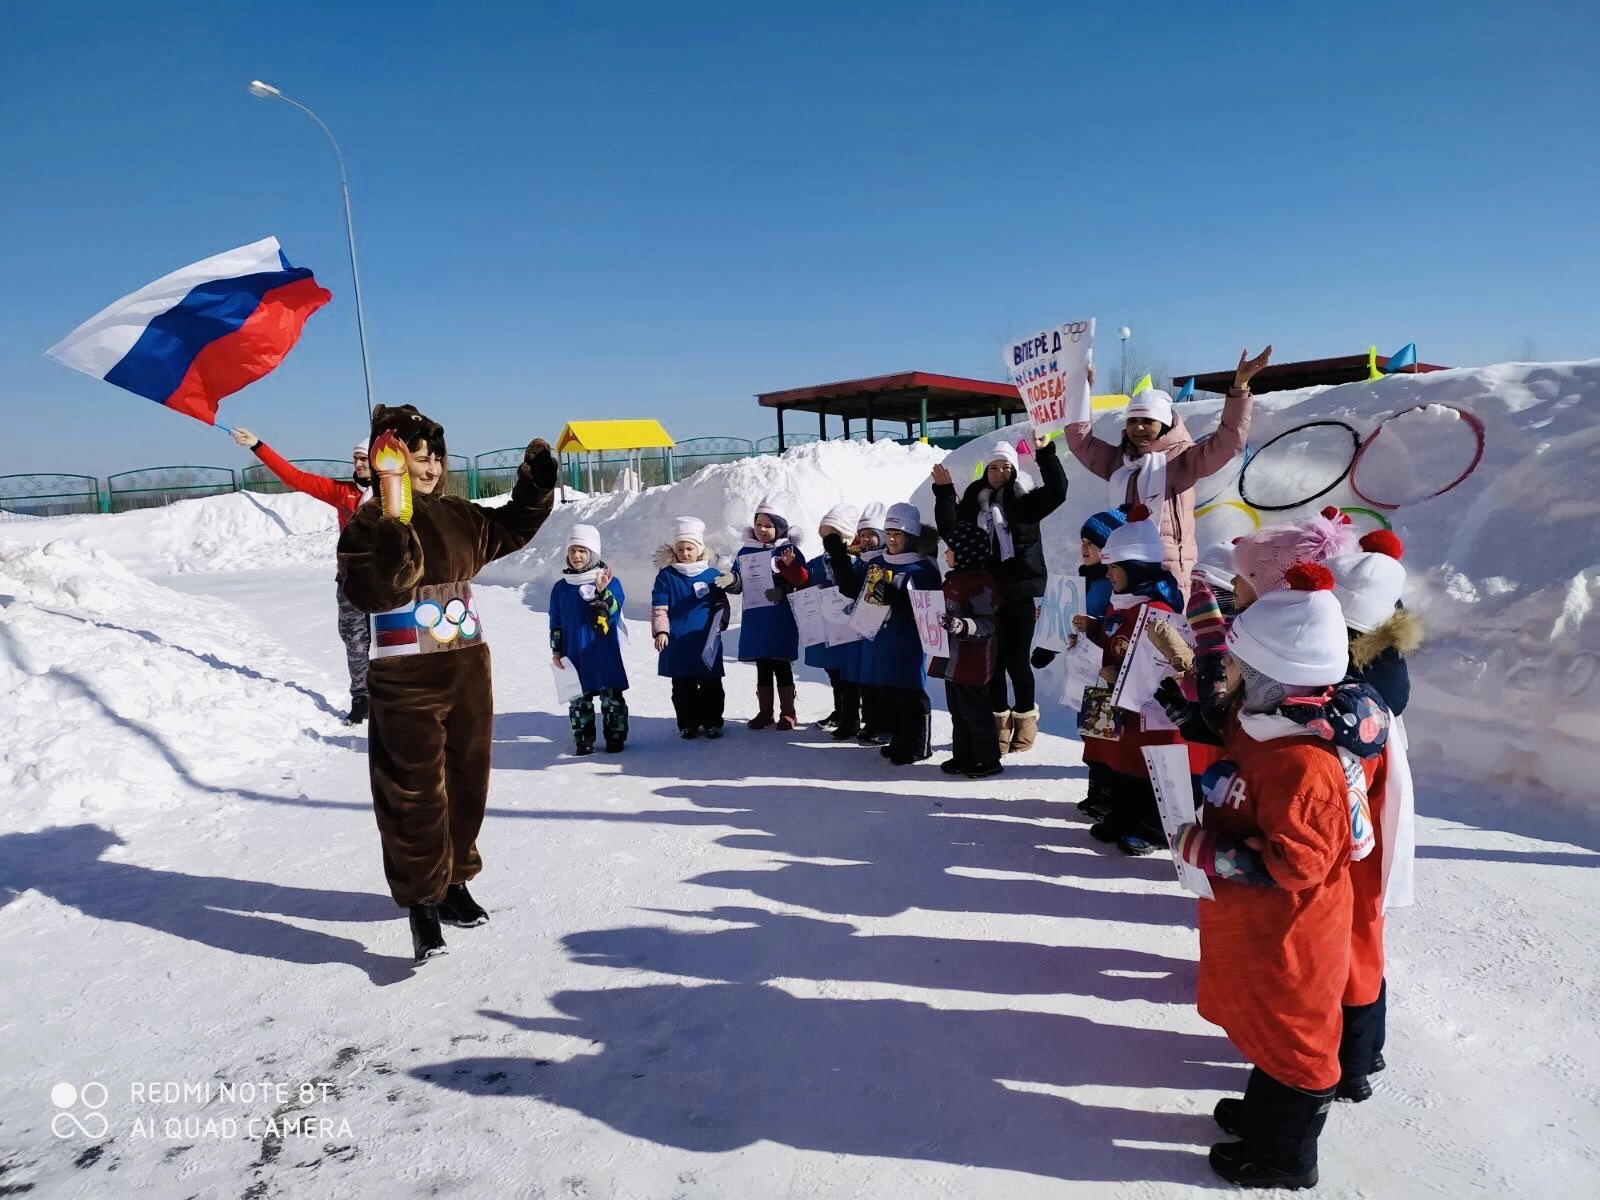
(1381, 541)
(1309, 577)
(1139, 512)
(1337, 515)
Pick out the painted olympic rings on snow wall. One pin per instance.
(1255, 515)
(1244, 471)
(1473, 423)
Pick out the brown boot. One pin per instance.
(1002, 728)
(763, 718)
(786, 717)
(1024, 729)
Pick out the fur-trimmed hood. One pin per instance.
(1401, 633)
(664, 556)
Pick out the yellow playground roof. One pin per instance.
(612, 435)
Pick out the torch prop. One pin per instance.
(388, 459)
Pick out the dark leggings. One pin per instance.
(770, 670)
(1014, 641)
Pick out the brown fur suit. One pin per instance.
(433, 710)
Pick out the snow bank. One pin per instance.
(633, 526)
(240, 531)
(1504, 567)
(123, 695)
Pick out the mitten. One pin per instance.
(960, 626)
(1173, 648)
(1173, 702)
(774, 594)
(1041, 658)
(1221, 857)
(792, 570)
(396, 555)
(539, 465)
(726, 580)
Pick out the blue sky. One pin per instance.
(636, 209)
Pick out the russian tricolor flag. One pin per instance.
(200, 333)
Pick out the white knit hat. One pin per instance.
(842, 517)
(873, 517)
(1004, 452)
(779, 504)
(1137, 541)
(1216, 565)
(363, 448)
(905, 517)
(586, 536)
(689, 529)
(1368, 584)
(1295, 635)
(1152, 403)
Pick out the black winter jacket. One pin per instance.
(1023, 575)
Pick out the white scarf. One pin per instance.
(1150, 471)
(691, 568)
(992, 520)
(904, 560)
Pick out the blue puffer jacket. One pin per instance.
(685, 603)
(895, 657)
(575, 636)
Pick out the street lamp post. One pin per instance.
(268, 92)
(1124, 333)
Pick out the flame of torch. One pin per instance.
(388, 459)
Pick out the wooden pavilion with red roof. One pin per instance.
(914, 397)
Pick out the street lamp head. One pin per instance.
(257, 88)
(1124, 333)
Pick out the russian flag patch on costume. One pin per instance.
(200, 333)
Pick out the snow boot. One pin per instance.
(1361, 1046)
(1003, 729)
(763, 717)
(1106, 831)
(786, 718)
(1136, 845)
(1279, 1127)
(460, 909)
(580, 715)
(1226, 1114)
(846, 733)
(427, 939)
(1099, 803)
(954, 766)
(688, 735)
(1024, 729)
(359, 707)
(714, 731)
(829, 721)
(986, 771)
(614, 720)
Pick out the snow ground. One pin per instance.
(766, 967)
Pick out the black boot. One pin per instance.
(459, 908)
(427, 939)
(1279, 1126)
(1361, 1046)
(1226, 1114)
(359, 707)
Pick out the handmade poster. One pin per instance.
(806, 604)
(756, 578)
(927, 607)
(1169, 775)
(1050, 370)
(568, 686)
(1062, 600)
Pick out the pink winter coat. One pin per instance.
(1188, 462)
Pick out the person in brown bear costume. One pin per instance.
(408, 560)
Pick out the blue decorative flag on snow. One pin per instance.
(1402, 358)
(1188, 390)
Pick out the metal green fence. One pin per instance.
(693, 453)
(496, 471)
(153, 487)
(259, 477)
(30, 497)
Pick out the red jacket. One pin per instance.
(1275, 961)
(342, 494)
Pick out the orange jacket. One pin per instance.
(1274, 961)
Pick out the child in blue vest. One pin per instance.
(685, 605)
(586, 627)
(768, 636)
(845, 719)
(894, 658)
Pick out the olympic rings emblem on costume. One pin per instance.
(1075, 330)
(1244, 471)
(1473, 423)
(447, 622)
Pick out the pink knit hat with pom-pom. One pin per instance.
(1265, 556)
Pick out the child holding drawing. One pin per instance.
(893, 659)
(586, 626)
(1138, 579)
(971, 604)
(686, 606)
(768, 636)
(845, 720)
